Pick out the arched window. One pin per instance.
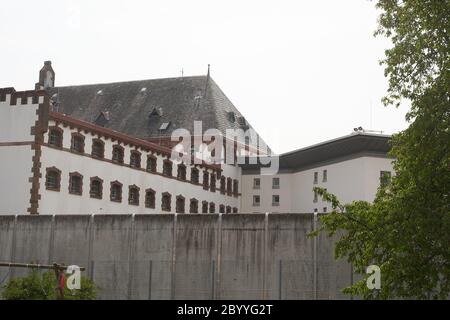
(193, 207)
(135, 159)
(55, 137)
(53, 179)
(221, 208)
(235, 210)
(165, 201)
(75, 183)
(228, 209)
(167, 168)
(133, 195)
(181, 174)
(212, 207)
(150, 198)
(205, 180)
(116, 191)
(222, 185)
(204, 206)
(96, 188)
(180, 204)
(117, 154)
(77, 143)
(212, 183)
(98, 148)
(194, 175)
(151, 163)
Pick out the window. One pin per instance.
(235, 210)
(98, 148)
(315, 196)
(256, 201)
(324, 176)
(212, 183)
(55, 136)
(75, 183)
(180, 204)
(150, 198)
(324, 209)
(222, 185)
(385, 178)
(166, 201)
(77, 143)
(167, 168)
(96, 188)
(194, 175)
(275, 200)
(117, 154)
(116, 191)
(151, 164)
(205, 180)
(228, 209)
(221, 208)
(204, 206)
(316, 177)
(212, 207)
(181, 173)
(53, 179)
(193, 207)
(256, 183)
(133, 195)
(315, 209)
(275, 183)
(235, 187)
(229, 186)
(135, 159)
(323, 197)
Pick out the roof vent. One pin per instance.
(164, 126)
(231, 117)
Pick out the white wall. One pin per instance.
(15, 159)
(355, 179)
(53, 202)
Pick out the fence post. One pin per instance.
(131, 257)
(51, 241)
(150, 280)
(315, 277)
(280, 279)
(13, 246)
(90, 246)
(173, 267)
(213, 272)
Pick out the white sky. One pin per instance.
(301, 72)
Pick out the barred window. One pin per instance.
(150, 198)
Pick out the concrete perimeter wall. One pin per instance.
(185, 256)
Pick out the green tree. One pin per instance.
(42, 286)
(406, 230)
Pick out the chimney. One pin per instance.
(46, 77)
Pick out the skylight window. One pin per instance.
(164, 126)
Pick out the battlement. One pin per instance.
(13, 97)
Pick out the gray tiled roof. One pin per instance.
(128, 105)
(354, 145)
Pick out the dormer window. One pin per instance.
(55, 136)
(102, 119)
(231, 117)
(117, 154)
(77, 143)
(155, 112)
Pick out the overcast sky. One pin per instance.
(301, 72)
